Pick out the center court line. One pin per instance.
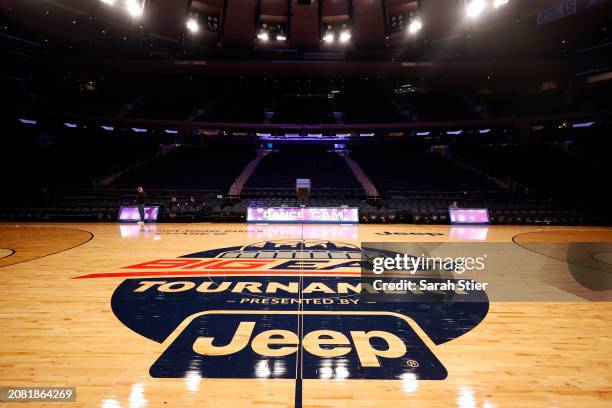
(299, 369)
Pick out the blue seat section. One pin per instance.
(326, 169)
(201, 168)
(411, 168)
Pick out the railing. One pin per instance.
(361, 176)
(245, 175)
(450, 195)
(251, 128)
(131, 192)
(508, 182)
(315, 192)
(116, 171)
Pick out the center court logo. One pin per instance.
(271, 309)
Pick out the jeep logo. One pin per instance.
(232, 344)
(281, 343)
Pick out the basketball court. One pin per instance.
(175, 315)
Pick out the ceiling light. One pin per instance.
(192, 25)
(345, 36)
(133, 8)
(474, 8)
(497, 3)
(415, 26)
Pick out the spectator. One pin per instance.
(174, 204)
(140, 202)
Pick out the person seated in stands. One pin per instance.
(454, 206)
(193, 205)
(173, 206)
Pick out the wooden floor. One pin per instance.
(74, 312)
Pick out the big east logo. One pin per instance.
(277, 308)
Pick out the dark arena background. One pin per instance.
(202, 200)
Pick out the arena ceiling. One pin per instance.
(439, 42)
(311, 29)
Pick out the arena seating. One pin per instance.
(279, 170)
(591, 144)
(211, 168)
(237, 107)
(64, 94)
(433, 107)
(59, 162)
(396, 168)
(242, 101)
(540, 167)
(509, 104)
(167, 102)
(103, 205)
(79, 137)
(307, 101)
(303, 109)
(416, 186)
(366, 108)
